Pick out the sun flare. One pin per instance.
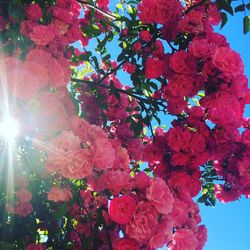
(9, 129)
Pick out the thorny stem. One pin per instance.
(105, 13)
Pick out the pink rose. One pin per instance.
(141, 181)
(34, 246)
(182, 62)
(160, 196)
(228, 61)
(62, 147)
(184, 239)
(129, 67)
(154, 67)
(121, 209)
(125, 244)
(42, 35)
(24, 209)
(79, 164)
(24, 195)
(62, 14)
(145, 36)
(201, 236)
(163, 234)
(143, 223)
(57, 194)
(34, 12)
(104, 154)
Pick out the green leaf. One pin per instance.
(61, 211)
(119, 6)
(246, 24)
(248, 6)
(225, 5)
(223, 19)
(240, 8)
(91, 30)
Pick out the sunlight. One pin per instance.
(9, 129)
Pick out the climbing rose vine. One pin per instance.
(85, 83)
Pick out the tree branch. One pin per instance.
(126, 92)
(105, 13)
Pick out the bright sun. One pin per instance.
(9, 129)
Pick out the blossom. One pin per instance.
(35, 246)
(24, 209)
(192, 22)
(125, 244)
(129, 67)
(62, 14)
(159, 11)
(34, 12)
(226, 192)
(122, 208)
(62, 147)
(183, 62)
(184, 239)
(163, 233)
(104, 154)
(24, 195)
(145, 36)
(141, 181)
(228, 61)
(79, 165)
(143, 223)
(160, 196)
(42, 35)
(57, 194)
(153, 67)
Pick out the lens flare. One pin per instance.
(9, 129)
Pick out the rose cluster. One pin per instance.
(87, 187)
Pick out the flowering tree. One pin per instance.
(82, 165)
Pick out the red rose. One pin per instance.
(121, 209)
(154, 67)
(125, 243)
(34, 246)
(228, 61)
(34, 12)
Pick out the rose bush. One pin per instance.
(84, 172)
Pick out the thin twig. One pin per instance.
(98, 83)
(112, 71)
(172, 47)
(105, 13)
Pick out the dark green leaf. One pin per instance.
(223, 19)
(248, 6)
(246, 24)
(239, 8)
(61, 211)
